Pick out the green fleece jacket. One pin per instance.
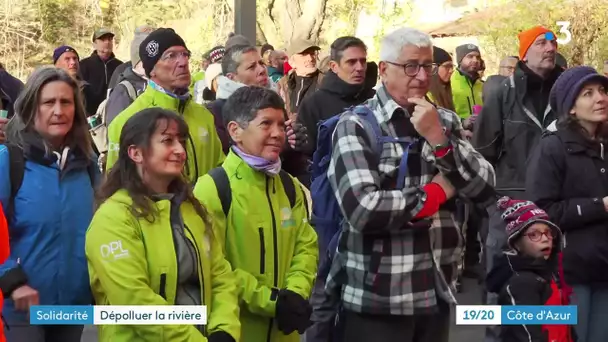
(204, 148)
(269, 244)
(145, 272)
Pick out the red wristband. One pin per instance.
(435, 197)
(442, 152)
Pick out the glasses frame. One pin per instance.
(548, 234)
(434, 66)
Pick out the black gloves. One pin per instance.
(297, 136)
(292, 312)
(220, 336)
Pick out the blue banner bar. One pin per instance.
(539, 314)
(61, 315)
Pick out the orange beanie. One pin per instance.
(527, 37)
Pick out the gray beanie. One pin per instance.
(141, 33)
(236, 39)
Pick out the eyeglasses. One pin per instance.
(510, 68)
(536, 236)
(175, 55)
(448, 66)
(412, 69)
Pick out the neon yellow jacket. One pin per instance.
(268, 244)
(205, 142)
(464, 94)
(147, 257)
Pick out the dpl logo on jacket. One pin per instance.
(114, 250)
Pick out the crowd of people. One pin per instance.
(299, 199)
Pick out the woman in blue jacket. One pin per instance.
(46, 188)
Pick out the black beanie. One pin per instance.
(153, 47)
(465, 49)
(440, 56)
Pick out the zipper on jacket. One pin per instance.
(163, 286)
(275, 253)
(200, 270)
(299, 92)
(470, 106)
(262, 251)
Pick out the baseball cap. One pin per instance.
(300, 45)
(102, 32)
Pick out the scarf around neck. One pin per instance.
(271, 168)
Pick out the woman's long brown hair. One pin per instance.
(138, 131)
(442, 93)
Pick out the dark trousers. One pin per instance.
(43, 333)
(420, 328)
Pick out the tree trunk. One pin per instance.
(280, 21)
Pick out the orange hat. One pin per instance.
(527, 37)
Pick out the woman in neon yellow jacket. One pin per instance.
(261, 218)
(150, 241)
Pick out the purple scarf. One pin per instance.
(270, 168)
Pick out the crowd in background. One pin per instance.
(302, 199)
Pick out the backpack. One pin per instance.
(222, 183)
(326, 213)
(99, 133)
(17, 171)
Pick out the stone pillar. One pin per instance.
(244, 19)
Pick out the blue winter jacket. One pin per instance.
(52, 212)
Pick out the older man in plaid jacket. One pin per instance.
(397, 258)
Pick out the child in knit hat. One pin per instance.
(529, 272)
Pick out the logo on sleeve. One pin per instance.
(203, 134)
(113, 251)
(287, 218)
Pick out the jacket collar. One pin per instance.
(575, 142)
(96, 56)
(386, 106)
(291, 77)
(524, 77)
(163, 100)
(333, 84)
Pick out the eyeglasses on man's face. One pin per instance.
(412, 69)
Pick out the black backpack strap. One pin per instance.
(16, 171)
(289, 186)
(222, 183)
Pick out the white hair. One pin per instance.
(394, 42)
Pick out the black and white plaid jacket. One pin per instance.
(383, 265)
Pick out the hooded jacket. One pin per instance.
(10, 87)
(333, 97)
(98, 74)
(225, 88)
(566, 177)
(117, 74)
(119, 98)
(204, 148)
(294, 89)
(506, 133)
(134, 276)
(269, 244)
(523, 280)
(51, 213)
